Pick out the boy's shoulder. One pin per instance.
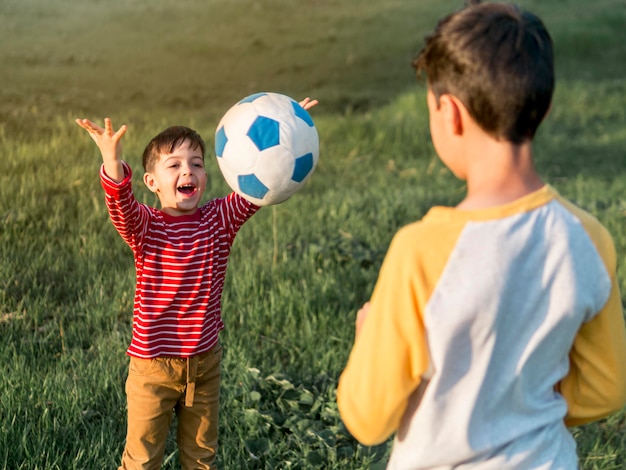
(231, 208)
(588, 220)
(438, 221)
(598, 233)
(213, 206)
(430, 238)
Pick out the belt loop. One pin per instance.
(192, 369)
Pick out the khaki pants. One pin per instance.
(158, 388)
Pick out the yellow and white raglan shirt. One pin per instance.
(489, 332)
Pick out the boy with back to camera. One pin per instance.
(497, 323)
(181, 252)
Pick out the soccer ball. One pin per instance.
(267, 147)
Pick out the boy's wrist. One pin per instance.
(114, 170)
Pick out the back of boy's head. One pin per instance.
(498, 60)
(167, 141)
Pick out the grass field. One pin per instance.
(298, 271)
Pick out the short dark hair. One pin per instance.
(498, 60)
(167, 141)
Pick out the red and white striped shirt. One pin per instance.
(181, 266)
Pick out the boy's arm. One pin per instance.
(235, 210)
(128, 216)
(595, 385)
(109, 144)
(389, 355)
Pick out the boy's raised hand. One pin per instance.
(109, 144)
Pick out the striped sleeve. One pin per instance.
(128, 216)
(234, 211)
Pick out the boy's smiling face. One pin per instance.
(178, 179)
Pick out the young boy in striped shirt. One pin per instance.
(181, 252)
(497, 323)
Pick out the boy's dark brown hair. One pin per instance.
(167, 141)
(498, 60)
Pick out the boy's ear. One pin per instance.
(453, 113)
(150, 182)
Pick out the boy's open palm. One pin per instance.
(107, 141)
(109, 144)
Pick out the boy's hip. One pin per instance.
(180, 374)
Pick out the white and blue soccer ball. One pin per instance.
(267, 147)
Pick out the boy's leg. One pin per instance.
(198, 424)
(152, 389)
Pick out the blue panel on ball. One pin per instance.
(220, 141)
(302, 113)
(264, 132)
(250, 185)
(251, 98)
(302, 168)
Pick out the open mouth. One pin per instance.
(187, 189)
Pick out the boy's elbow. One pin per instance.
(620, 400)
(363, 422)
(611, 401)
(580, 419)
(371, 440)
(363, 429)
(616, 394)
(617, 400)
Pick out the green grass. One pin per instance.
(67, 279)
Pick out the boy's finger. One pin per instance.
(84, 123)
(120, 132)
(91, 127)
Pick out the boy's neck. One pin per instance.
(172, 212)
(499, 172)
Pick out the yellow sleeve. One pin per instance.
(596, 383)
(390, 355)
